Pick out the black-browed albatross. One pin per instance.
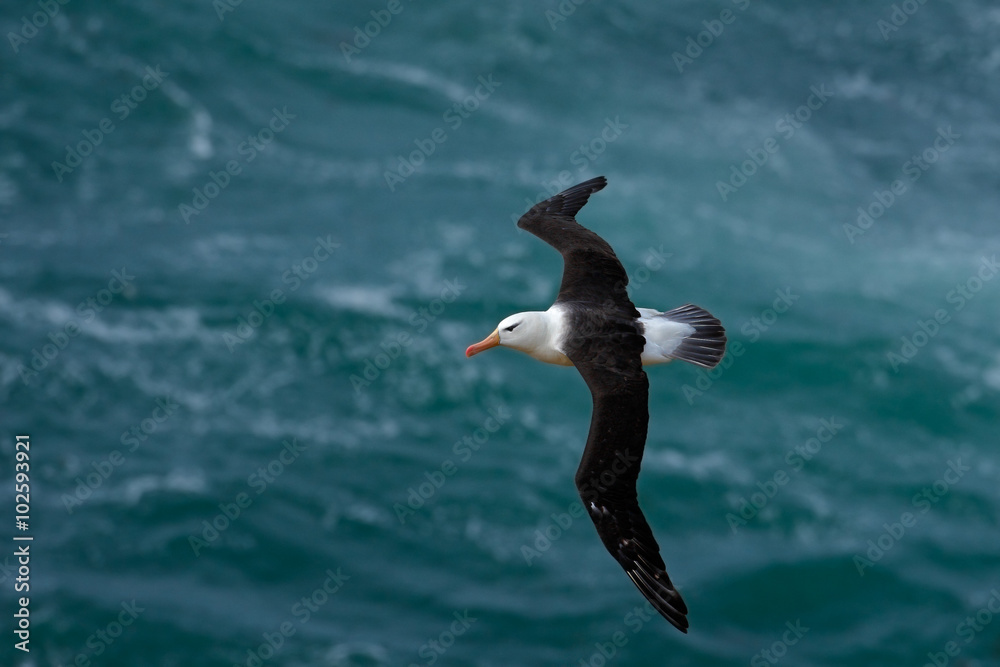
(594, 326)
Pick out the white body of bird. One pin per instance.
(540, 334)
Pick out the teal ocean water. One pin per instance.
(244, 245)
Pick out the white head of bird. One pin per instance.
(533, 332)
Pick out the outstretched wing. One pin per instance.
(610, 364)
(591, 271)
(606, 346)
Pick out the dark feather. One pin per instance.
(606, 347)
(707, 345)
(592, 273)
(606, 478)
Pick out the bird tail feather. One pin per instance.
(704, 347)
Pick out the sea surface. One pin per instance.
(244, 245)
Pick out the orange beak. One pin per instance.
(491, 341)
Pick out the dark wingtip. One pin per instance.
(571, 200)
(567, 203)
(658, 590)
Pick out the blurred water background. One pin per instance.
(244, 245)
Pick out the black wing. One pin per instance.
(591, 271)
(610, 466)
(606, 347)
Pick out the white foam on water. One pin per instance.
(365, 299)
(182, 481)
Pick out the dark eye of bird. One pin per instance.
(512, 327)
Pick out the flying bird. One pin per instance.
(594, 326)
